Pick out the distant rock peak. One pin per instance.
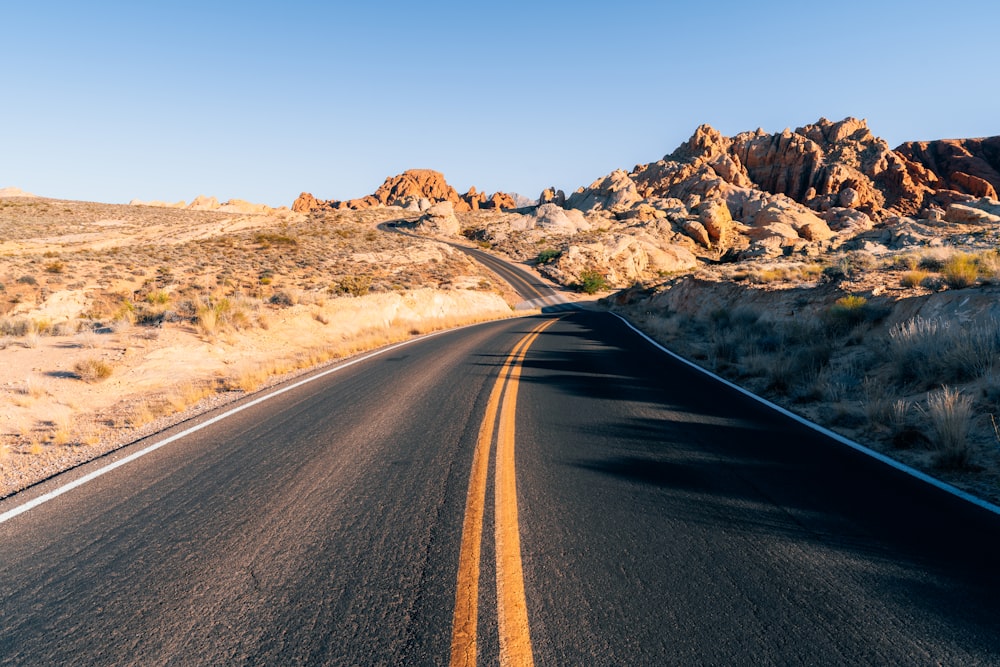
(415, 189)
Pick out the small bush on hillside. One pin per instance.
(960, 270)
(932, 351)
(850, 311)
(267, 240)
(950, 414)
(913, 278)
(592, 281)
(93, 369)
(548, 256)
(352, 285)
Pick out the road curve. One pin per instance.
(661, 520)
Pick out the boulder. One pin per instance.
(804, 222)
(697, 231)
(557, 220)
(552, 196)
(981, 214)
(439, 220)
(306, 202)
(614, 192)
(716, 219)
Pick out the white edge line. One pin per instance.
(44, 498)
(902, 467)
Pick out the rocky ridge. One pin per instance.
(825, 187)
(203, 203)
(413, 190)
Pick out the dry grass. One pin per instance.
(950, 414)
(93, 369)
(933, 351)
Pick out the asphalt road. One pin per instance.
(662, 519)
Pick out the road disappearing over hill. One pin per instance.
(660, 519)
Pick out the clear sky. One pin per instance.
(109, 101)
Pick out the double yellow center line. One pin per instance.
(512, 610)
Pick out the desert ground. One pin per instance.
(117, 320)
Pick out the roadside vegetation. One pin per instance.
(923, 389)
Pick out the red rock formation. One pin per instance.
(411, 185)
(306, 202)
(827, 165)
(417, 183)
(965, 166)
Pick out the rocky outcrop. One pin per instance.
(552, 196)
(554, 219)
(614, 192)
(439, 220)
(823, 166)
(622, 259)
(986, 211)
(418, 183)
(408, 190)
(963, 166)
(236, 206)
(305, 203)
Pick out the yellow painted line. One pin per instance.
(512, 607)
(464, 624)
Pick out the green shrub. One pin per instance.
(592, 281)
(548, 256)
(849, 311)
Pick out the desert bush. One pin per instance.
(960, 270)
(92, 369)
(592, 281)
(950, 415)
(933, 351)
(27, 280)
(17, 326)
(988, 262)
(933, 260)
(353, 285)
(55, 267)
(848, 311)
(907, 261)
(266, 240)
(158, 297)
(913, 278)
(282, 299)
(547, 256)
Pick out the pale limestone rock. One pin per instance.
(716, 218)
(975, 213)
(614, 192)
(697, 231)
(203, 203)
(440, 220)
(557, 220)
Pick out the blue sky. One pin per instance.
(109, 101)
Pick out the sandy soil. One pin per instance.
(116, 321)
